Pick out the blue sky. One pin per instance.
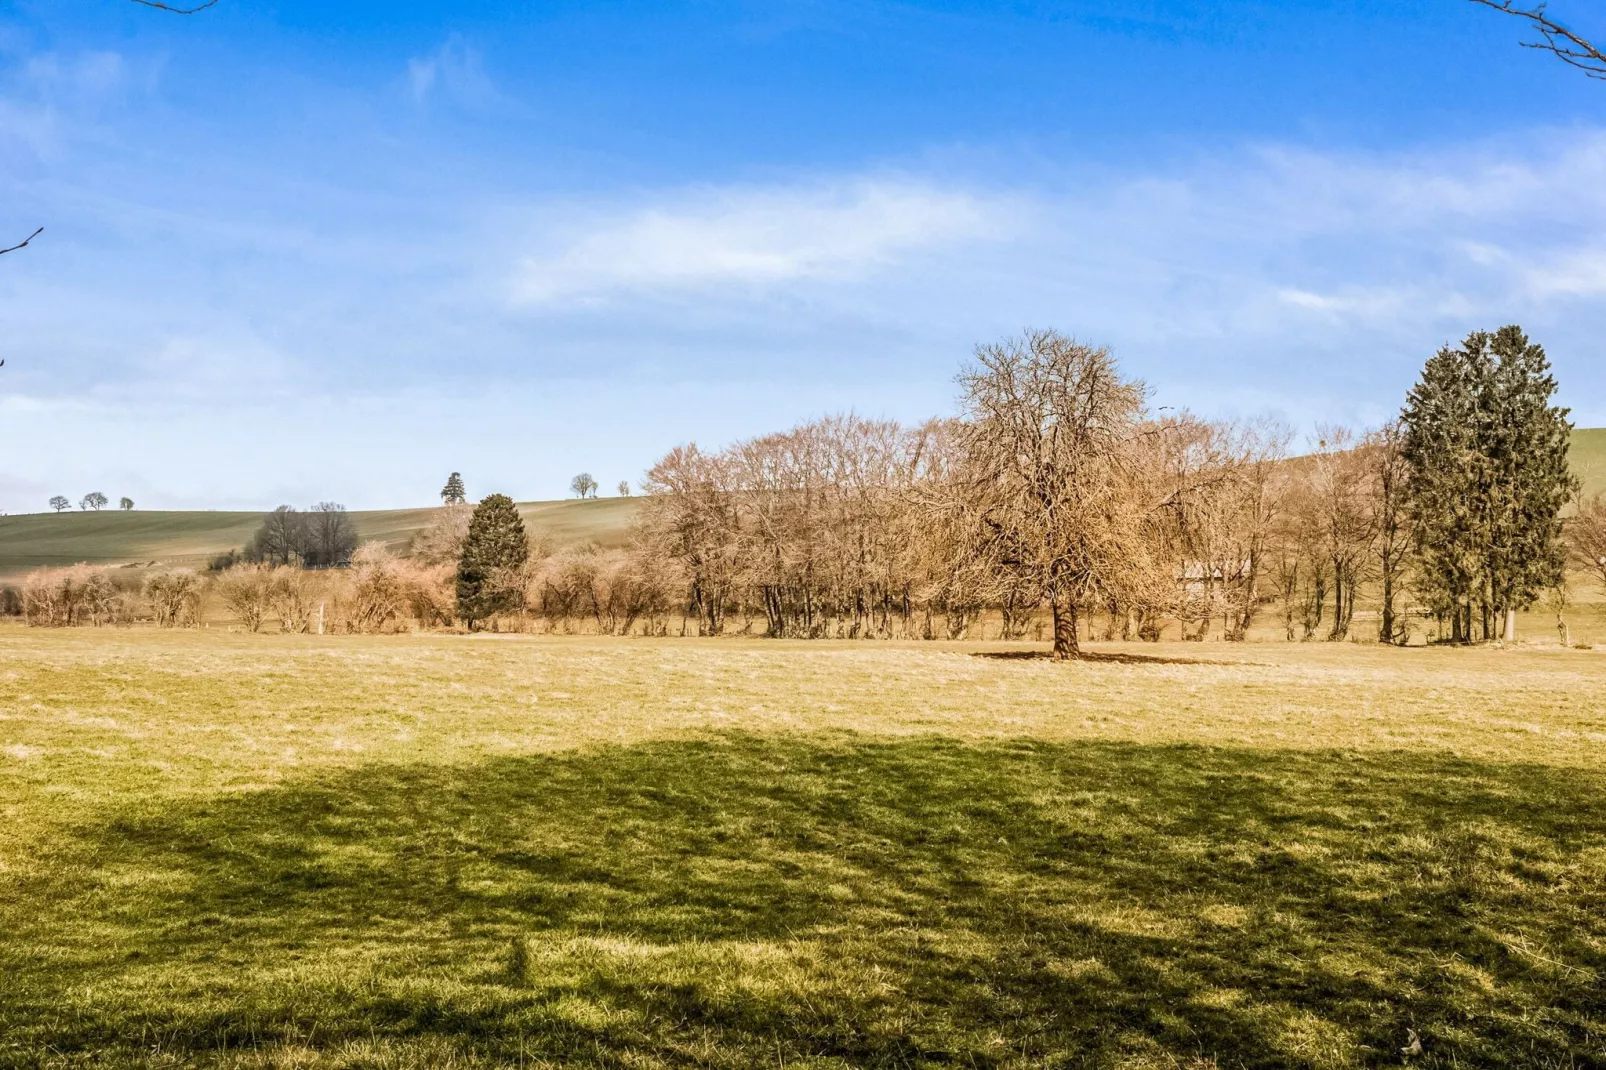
(297, 251)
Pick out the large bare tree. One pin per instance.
(1048, 441)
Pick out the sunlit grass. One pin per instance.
(430, 851)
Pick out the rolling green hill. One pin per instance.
(1587, 457)
(37, 540)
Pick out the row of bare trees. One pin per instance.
(1056, 487)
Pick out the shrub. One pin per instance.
(248, 592)
(175, 597)
(63, 597)
(290, 596)
(378, 593)
(441, 542)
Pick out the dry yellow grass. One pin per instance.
(290, 850)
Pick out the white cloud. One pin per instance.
(454, 69)
(748, 239)
(85, 75)
(1575, 273)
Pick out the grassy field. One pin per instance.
(191, 539)
(417, 851)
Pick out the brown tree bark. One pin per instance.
(1065, 629)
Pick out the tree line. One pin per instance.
(93, 502)
(1056, 504)
(1058, 487)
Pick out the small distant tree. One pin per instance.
(126, 504)
(624, 488)
(452, 493)
(93, 500)
(583, 485)
(494, 553)
(281, 540)
(330, 536)
(60, 503)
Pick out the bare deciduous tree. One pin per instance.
(1385, 457)
(281, 540)
(1586, 535)
(441, 541)
(60, 503)
(1048, 443)
(94, 501)
(330, 536)
(177, 10)
(175, 597)
(1564, 43)
(125, 503)
(1346, 519)
(23, 244)
(583, 486)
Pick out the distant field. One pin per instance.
(1587, 457)
(436, 851)
(191, 538)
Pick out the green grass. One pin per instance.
(1587, 458)
(434, 851)
(34, 540)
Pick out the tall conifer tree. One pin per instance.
(1487, 452)
(488, 573)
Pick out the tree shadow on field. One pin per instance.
(739, 900)
(1111, 657)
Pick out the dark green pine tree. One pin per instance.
(494, 553)
(1529, 481)
(1487, 452)
(452, 493)
(1440, 419)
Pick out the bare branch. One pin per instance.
(1561, 42)
(23, 244)
(176, 10)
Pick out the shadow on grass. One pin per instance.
(740, 900)
(1113, 657)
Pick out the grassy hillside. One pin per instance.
(1588, 458)
(190, 538)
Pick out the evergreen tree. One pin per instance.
(452, 493)
(488, 573)
(1530, 481)
(1487, 455)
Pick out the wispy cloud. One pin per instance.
(453, 70)
(747, 239)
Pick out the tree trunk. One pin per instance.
(1065, 627)
(1511, 626)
